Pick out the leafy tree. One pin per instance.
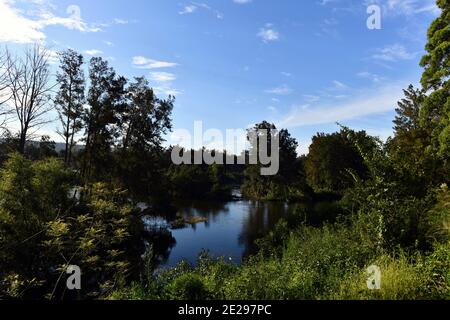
(289, 182)
(435, 79)
(144, 121)
(106, 99)
(70, 98)
(331, 159)
(409, 148)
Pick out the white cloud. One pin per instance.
(367, 102)
(281, 90)
(268, 33)
(146, 63)
(162, 76)
(242, 1)
(14, 27)
(194, 6)
(405, 7)
(120, 21)
(339, 85)
(188, 9)
(166, 90)
(93, 52)
(27, 26)
(393, 53)
(371, 76)
(72, 22)
(162, 80)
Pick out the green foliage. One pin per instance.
(43, 230)
(330, 160)
(198, 181)
(289, 183)
(435, 79)
(142, 123)
(410, 149)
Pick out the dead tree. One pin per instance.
(27, 80)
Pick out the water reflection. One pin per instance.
(230, 230)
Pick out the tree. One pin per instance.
(146, 118)
(43, 149)
(142, 124)
(436, 80)
(70, 98)
(5, 95)
(28, 82)
(409, 148)
(107, 101)
(329, 159)
(289, 182)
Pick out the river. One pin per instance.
(229, 230)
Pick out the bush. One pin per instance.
(42, 231)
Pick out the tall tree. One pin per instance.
(28, 80)
(107, 101)
(143, 123)
(409, 148)
(146, 117)
(70, 98)
(436, 80)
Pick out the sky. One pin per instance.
(303, 65)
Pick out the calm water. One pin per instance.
(230, 231)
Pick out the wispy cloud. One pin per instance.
(338, 85)
(311, 98)
(371, 76)
(367, 102)
(147, 63)
(194, 6)
(393, 53)
(163, 81)
(162, 76)
(405, 7)
(281, 90)
(93, 52)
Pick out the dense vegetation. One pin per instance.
(389, 203)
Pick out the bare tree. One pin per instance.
(5, 95)
(27, 79)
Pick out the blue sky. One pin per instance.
(304, 65)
